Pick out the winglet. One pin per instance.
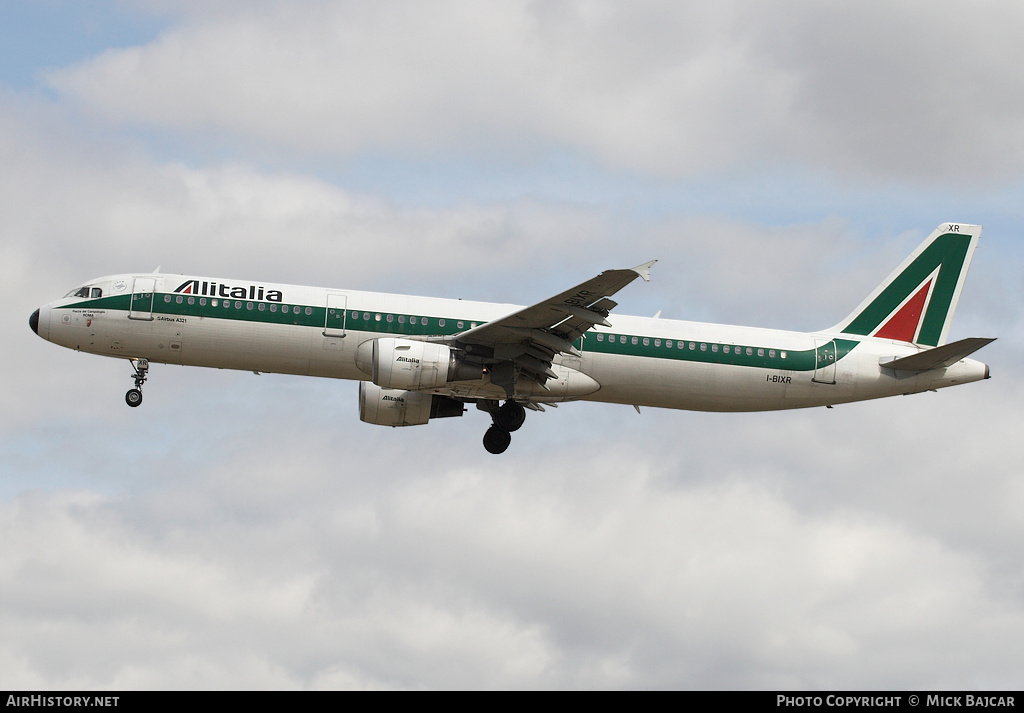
(644, 270)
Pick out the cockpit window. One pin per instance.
(92, 292)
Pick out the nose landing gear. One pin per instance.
(134, 396)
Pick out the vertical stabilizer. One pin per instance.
(917, 301)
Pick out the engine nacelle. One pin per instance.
(397, 407)
(409, 364)
(393, 407)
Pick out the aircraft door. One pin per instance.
(143, 292)
(334, 323)
(824, 361)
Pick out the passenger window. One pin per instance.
(760, 352)
(657, 342)
(647, 342)
(391, 318)
(714, 347)
(703, 347)
(309, 311)
(634, 340)
(668, 343)
(600, 337)
(622, 339)
(750, 351)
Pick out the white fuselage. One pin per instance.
(639, 361)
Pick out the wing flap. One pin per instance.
(529, 338)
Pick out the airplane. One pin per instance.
(422, 358)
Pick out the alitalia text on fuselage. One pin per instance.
(214, 289)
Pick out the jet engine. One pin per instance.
(409, 364)
(397, 407)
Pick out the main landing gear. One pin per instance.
(507, 418)
(134, 396)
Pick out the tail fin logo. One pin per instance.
(917, 302)
(905, 323)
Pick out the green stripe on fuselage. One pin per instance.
(401, 325)
(712, 353)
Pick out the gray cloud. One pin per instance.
(880, 89)
(662, 563)
(888, 90)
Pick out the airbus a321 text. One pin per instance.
(419, 358)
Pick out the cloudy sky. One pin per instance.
(779, 159)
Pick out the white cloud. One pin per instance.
(674, 90)
(86, 209)
(607, 569)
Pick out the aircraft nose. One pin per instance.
(33, 321)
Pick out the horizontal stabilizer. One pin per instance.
(939, 357)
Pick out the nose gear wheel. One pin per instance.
(134, 396)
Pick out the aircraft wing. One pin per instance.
(525, 342)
